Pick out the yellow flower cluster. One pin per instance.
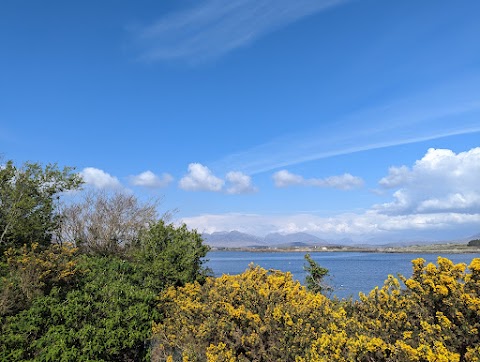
(36, 270)
(263, 315)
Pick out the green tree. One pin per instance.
(315, 279)
(170, 255)
(475, 242)
(28, 198)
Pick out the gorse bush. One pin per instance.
(248, 316)
(265, 315)
(30, 273)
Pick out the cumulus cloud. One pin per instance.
(99, 178)
(239, 183)
(150, 180)
(200, 178)
(284, 178)
(397, 176)
(346, 181)
(442, 181)
(342, 182)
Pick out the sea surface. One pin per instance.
(350, 272)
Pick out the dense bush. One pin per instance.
(107, 317)
(59, 305)
(30, 272)
(252, 316)
(267, 316)
(475, 242)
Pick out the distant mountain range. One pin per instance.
(237, 239)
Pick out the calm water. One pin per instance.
(350, 273)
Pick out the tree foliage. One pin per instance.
(31, 273)
(170, 255)
(474, 242)
(28, 198)
(106, 223)
(315, 279)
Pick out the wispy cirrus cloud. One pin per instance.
(215, 27)
(448, 110)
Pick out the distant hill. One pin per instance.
(237, 239)
(232, 239)
(294, 239)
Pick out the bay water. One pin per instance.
(349, 272)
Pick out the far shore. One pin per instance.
(411, 249)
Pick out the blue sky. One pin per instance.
(345, 119)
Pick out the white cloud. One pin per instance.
(215, 27)
(239, 183)
(442, 181)
(284, 178)
(149, 179)
(396, 176)
(99, 178)
(342, 182)
(200, 178)
(346, 181)
(369, 226)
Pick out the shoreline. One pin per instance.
(414, 249)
